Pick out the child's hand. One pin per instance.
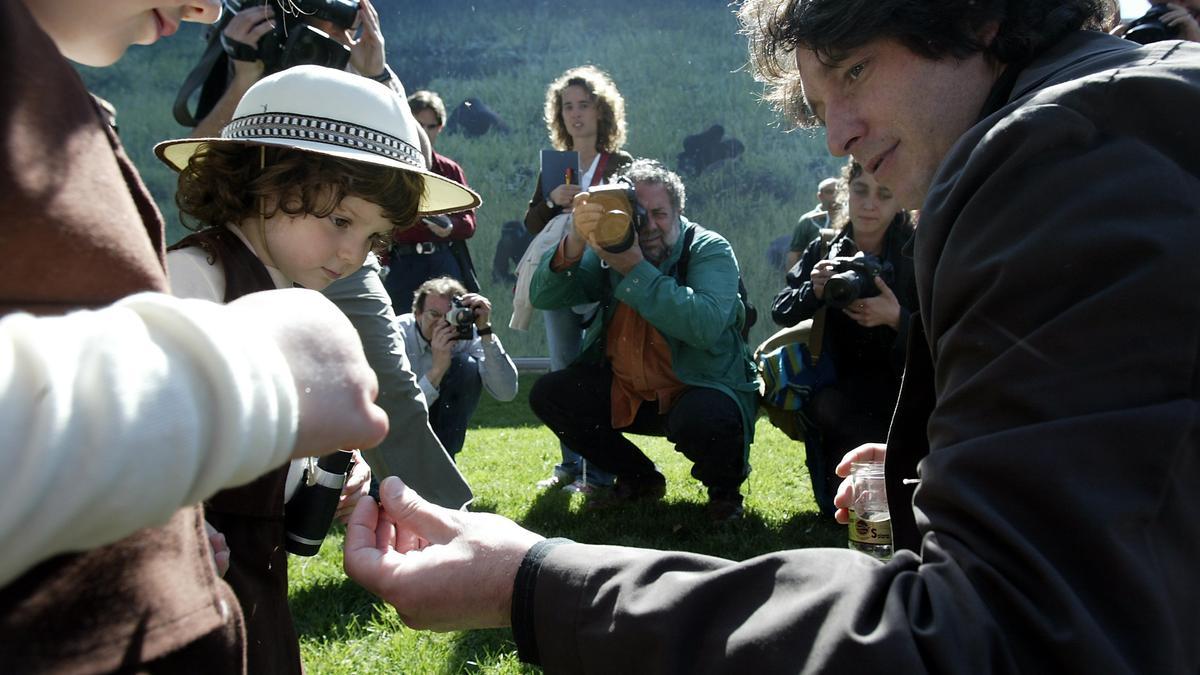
(358, 483)
(220, 549)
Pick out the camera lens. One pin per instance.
(341, 13)
(1147, 33)
(308, 46)
(1150, 28)
(843, 289)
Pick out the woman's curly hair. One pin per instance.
(610, 106)
(933, 29)
(229, 182)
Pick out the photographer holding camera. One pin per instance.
(260, 39)
(665, 355)
(864, 279)
(1179, 20)
(449, 341)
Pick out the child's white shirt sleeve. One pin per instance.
(113, 419)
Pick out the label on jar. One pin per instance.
(871, 528)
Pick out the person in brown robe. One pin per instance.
(150, 602)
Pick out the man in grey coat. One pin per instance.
(1050, 413)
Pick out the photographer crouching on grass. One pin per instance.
(665, 356)
(449, 341)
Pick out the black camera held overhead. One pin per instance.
(461, 318)
(854, 278)
(292, 42)
(1150, 28)
(309, 512)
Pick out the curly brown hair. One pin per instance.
(610, 123)
(228, 182)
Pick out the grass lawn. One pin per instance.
(343, 629)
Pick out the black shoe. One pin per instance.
(626, 491)
(724, 508)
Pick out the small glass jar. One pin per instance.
(870, 521)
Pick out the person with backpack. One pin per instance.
(863, 330)
(666, 356)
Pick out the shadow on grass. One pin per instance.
(331, 609)
(810, 529)
(481, 646)
(675, 524)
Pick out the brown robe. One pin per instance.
(78, 229)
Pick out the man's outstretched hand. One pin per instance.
(440, 569)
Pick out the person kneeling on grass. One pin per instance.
(316, 168)
(664, 357)
(454, 353)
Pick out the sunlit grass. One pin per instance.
(345, 630)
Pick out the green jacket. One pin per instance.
(700, 320)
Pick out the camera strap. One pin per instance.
(679, 273)
(213, 56)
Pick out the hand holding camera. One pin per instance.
(280, 38)
(881, 309)
(241, 37)
(466, 311)
(608, 218)
(855, 285)
(851, 278)
(367, 54)
(1165, 21)
(601, 219)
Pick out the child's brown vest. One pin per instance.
(251, 516)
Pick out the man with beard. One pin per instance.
(665, 357)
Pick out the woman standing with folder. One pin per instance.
(584, 113)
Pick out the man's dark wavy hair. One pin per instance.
(930, 28)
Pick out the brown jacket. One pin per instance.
(78, 229)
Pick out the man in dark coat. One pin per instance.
(1043, 462)
(149, 601)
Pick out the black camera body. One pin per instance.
(309, 512)
(854, 278)
(293, 42)
(461, 317)
(1150, 28)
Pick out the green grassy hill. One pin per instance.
(678, 63)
